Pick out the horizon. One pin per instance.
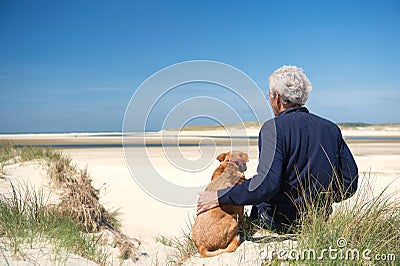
(75, 66)
(342, 124)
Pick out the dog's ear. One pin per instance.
(221, 157)
(246, 157)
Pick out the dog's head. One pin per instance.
(238, 157)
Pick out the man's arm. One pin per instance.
(266, 183)
(262, 186)
(348, 172)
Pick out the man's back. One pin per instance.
(310, 148)
(308, 155)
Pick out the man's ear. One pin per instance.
(277, 96)
(221, 157)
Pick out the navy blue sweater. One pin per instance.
(300, 155)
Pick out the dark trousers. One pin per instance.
(264, 215)
(268, 218)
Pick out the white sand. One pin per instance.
(145, 218)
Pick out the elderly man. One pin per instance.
(303, 161)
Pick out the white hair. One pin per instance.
(291, 84)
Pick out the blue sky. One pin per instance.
(74, 65)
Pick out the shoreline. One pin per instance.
(174, 138)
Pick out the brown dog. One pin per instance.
(216, 231)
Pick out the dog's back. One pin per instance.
(229, 177)
(216, 231)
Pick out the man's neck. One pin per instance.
(286, 107)
(281, 110)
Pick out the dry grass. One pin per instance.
(79, 199)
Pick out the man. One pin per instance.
(303, 161)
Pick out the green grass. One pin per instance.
(26, 219)
(184, 247)
(353, 124)
(363, 224)
(363, 230)
(9, 153)
(29, 153)
(71, 226)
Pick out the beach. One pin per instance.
(146, 216)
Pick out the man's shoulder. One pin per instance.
(299, 118)
(268, 123)
(269, 127)
(296, 119)
(316, 119)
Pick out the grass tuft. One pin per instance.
(184, 247)
(363, 230)
(72, 224)
(26, 219)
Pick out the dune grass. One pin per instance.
(25, 220)
(75, 225)
(363, 230)
(184, 247)
(10, 153)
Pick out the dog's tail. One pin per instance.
(233, 245)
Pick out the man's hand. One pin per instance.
(207, 200)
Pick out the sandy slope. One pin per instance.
(33, 175)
